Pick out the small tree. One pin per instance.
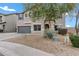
(48, 12)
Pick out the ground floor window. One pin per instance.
(37, 27)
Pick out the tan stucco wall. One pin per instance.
(61, 22)
(10, 25)
(38, 23)
(25, 22)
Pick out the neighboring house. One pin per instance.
(26, 25)
(8, 23)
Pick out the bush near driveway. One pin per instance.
(75, 40)
(48, 33)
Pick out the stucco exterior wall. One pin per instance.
(24, 22)
(61, 22)
(10, 25)
(40, 22)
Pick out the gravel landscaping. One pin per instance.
(57, 48)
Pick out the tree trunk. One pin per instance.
(76, 25)
(64, 15)
(44, 24)
(54, 23)
(49, 24)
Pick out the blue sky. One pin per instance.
(70, 21)
(8, 8)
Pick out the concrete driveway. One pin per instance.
(14, 49)
(4, 36)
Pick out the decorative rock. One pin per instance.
(56, 38)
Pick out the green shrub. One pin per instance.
(75, 40)
(48, 33)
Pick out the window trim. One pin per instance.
(1, 19)
(21, 16)
(25, 15)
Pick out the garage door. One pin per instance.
(24, 29)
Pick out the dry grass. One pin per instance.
(46, 45)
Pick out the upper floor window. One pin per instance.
(25, 15)
(28, 14)
(20, 16)
(0, 18)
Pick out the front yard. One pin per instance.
(47, 45)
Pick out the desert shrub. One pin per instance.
(75, 40)
(48, 33)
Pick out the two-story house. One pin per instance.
(25, 24)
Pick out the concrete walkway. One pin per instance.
(14, 49)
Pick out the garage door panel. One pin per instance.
(24, 29)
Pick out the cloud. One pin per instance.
(68, 25)
(6, 8)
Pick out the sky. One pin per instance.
(70, 21)
(9, 8)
